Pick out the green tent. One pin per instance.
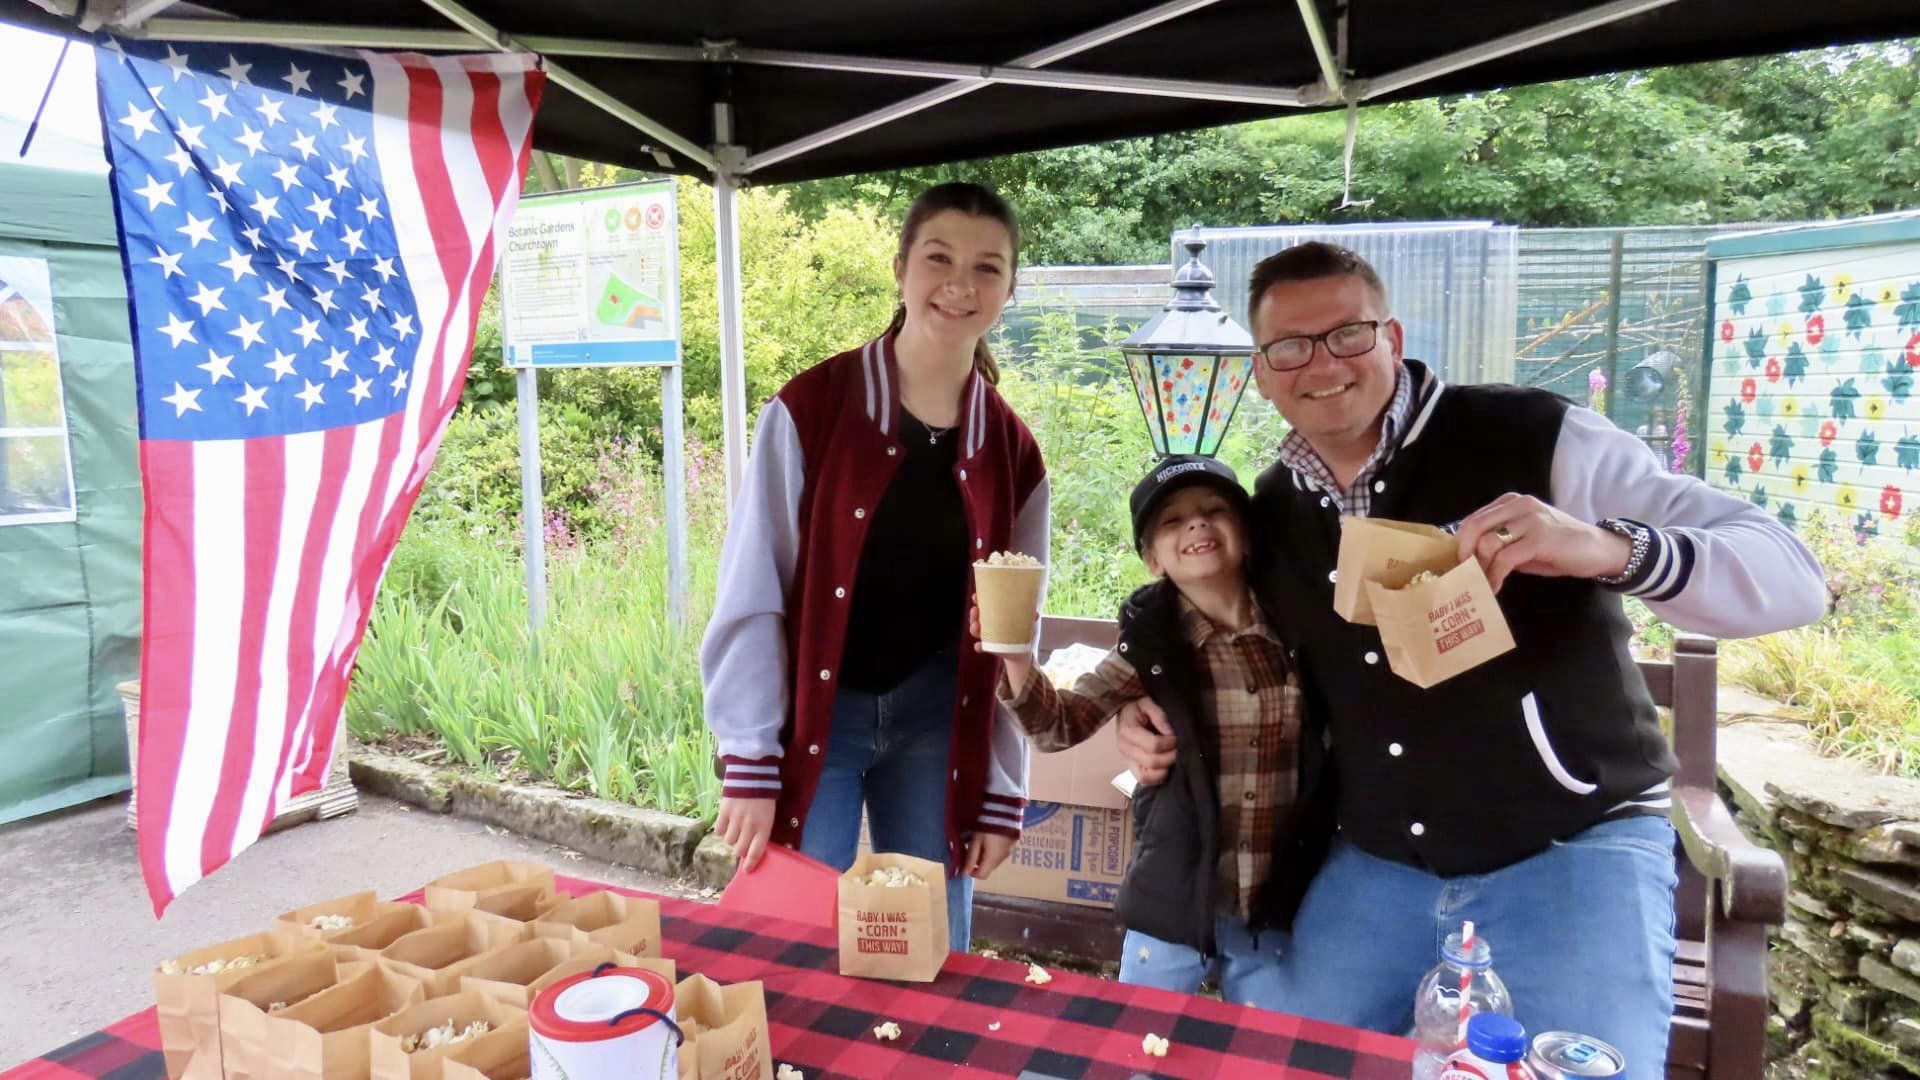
(69, 493)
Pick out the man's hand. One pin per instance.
(1146, 740)
(985, 852)
(745, 824)
(1520, 534)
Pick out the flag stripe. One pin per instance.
(166, 471)
(336, 454)
(217, 552)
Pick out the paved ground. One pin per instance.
(78, 937)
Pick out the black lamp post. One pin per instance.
(1189, 364)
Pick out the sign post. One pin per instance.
(591, 278)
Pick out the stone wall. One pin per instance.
(1845, 968)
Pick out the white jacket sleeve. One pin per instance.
(1718, 564)
(743, 658)
(1006, 797)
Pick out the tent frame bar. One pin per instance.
(1517, 41)
(1333, 81)
(1113, 31)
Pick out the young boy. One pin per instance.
(1224, 848)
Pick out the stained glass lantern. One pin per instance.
(1189, 364)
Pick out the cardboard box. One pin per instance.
(1072, 854)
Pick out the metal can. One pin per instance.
(1565, 1055)
(611, 1023)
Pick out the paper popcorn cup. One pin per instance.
(1009, 599)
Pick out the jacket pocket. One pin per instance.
(1537, 731)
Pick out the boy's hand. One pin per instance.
(745, 824)
(985, 852)
(1146, 740)
(1018, 667)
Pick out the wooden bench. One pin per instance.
(1731, 889)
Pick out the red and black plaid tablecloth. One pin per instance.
(1073, 1027)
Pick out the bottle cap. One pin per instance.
(1496, 1037)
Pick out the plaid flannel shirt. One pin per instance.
(1249, 720)
(1298, 454)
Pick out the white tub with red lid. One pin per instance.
(608, 1023)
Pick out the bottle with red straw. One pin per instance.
(1462, 985)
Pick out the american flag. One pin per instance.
(307, 240)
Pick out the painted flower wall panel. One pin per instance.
(1812, 403)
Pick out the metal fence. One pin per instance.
(1484, 303)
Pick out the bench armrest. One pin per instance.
(1753, 879)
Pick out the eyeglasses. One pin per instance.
(1290, 353)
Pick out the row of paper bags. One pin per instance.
(334, 990)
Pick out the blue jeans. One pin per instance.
(1248, 969)
(890, 752)
(1582, 934)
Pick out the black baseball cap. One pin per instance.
(1176, 471)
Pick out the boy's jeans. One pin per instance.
(1582, 934)
(890, 751)
(1249, 971)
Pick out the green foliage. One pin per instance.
(475, 482)
(1780, 138)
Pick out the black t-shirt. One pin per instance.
(909, 599)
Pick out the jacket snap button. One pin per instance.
(963, 474)
(1333, 575)
(825, 674)
(814, 749)
(956, 774)
(859, 512)
(1156, 669)
(964, 700)
(978, 543)
(1395, 749)
(1249, 796)
(1325, 502)
(892, 450)
(795, 822)
(1379, 486)
(1417, 829)
(840, 593)
(1372, 657)
(1123, 646)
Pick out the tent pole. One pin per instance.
(1092, 39)
(726, 239)
(1511, 43)
(1331, 77)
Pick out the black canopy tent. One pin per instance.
(769, 91)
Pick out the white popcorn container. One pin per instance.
(609, 1023)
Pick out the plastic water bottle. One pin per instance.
(1462, 986)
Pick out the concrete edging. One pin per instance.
(648, 840)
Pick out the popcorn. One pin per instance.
(788, 1072)
(893, 877)
(330, 923)
(1012, 558)
(888, 1031)
(990, 954)
(1155, 1045)
(276, 1006)
(1422, 578)
(443, 1035)
(211, 967)
(1038, 975)
(995, 1026)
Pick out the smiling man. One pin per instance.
(1529, 795)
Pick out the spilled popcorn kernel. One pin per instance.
(1038, 975)
(995, 1026)
(1143, 952)
(1011, 558)
(893, 877)
(1155, 1045)
(331, 922)
(788, 1072)
(990, 954)
(888, 1031)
